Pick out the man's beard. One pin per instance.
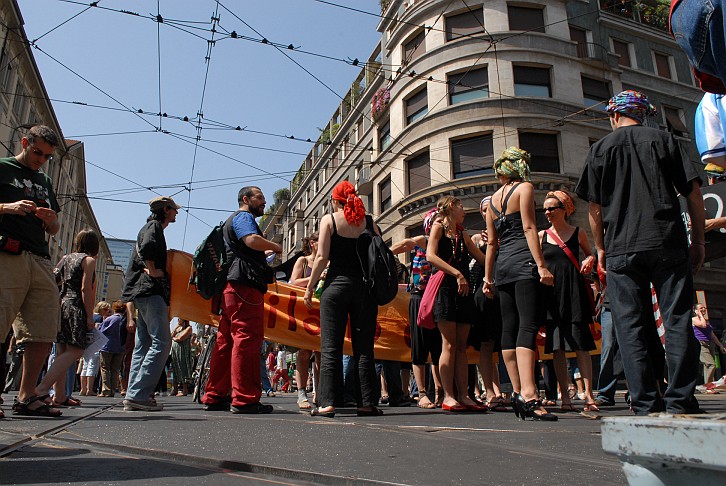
(257, 211)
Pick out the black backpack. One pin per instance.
(380, 272)
(210, 264)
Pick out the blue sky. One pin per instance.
(249, 84)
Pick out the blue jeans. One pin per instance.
(700, 29)
(266, 385)
(611, 364)
(153, 344)
(629, 278)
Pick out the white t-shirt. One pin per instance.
(282, 359)
(710, 120)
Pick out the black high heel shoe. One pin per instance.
(530, 408)
(515, 404)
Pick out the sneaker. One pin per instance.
(147, 406)
(221, 406)
(253, 408)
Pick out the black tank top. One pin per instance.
(514, 260)
(343, 255)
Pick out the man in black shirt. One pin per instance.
(632, 179)
(146, 287)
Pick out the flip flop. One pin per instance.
(373, 412)
(304, 404)
(567, 407)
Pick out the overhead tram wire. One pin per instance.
(158, 57)
(200, 114)
(281, 51)
(65, 22)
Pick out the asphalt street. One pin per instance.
(99, 443)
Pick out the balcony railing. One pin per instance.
(653, 13)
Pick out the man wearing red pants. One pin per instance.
(235, 362)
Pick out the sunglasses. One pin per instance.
(40, 153)
(553, 208)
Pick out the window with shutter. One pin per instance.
(468, 85)
(418, 172)
(472, 156)
(543, 149)
(467, 23)
(526, 18)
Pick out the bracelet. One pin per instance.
(488, 283)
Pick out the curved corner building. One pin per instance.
(452, 84)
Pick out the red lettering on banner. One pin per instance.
(292, 324)
(272, 312)
(312, 324)
(407, 335)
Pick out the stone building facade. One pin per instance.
(452, 84)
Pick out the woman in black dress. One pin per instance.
(520, 274)
(448, 250)
(567, 302)
(77, 272)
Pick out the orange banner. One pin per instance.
(288, 321)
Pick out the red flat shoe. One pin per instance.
(458, 408)
(476, 408)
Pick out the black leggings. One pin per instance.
(521, 306)
(344, 297)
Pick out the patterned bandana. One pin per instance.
(513, 164)
(429, 219)
(632, 104)
(564, 199)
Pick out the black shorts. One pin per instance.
(423, 341)
(488, 323)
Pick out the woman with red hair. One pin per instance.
(344, 296)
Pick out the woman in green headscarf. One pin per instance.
(520, 273)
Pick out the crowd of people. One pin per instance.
(494, 291)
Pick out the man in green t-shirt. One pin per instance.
(29, 300)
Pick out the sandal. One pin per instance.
(384, 399)
(424, 402)
(372, 412)
(496, 404)
(567, 407)
(548, 403)
(591, 407)
(69, 402)
(304, 404)
(44, 410)
(439, 399)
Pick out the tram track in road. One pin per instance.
(55, 436)
(29, 440)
